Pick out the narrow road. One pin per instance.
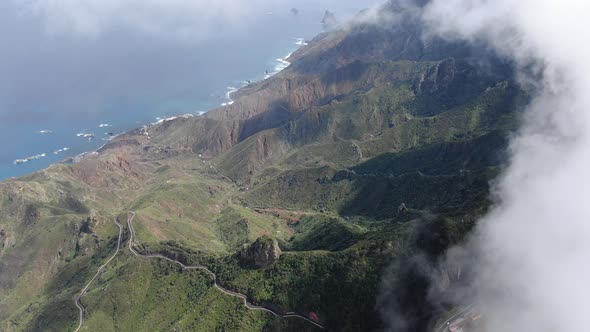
(444, 327)
(243, 297)
(213, 167)
(85, 289)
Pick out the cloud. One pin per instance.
(533, 248)
(183, 19)
(88, 57)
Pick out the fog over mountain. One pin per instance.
(59, 49)
(532, 249)
(425, 162)
(176, 19)
(78, 64)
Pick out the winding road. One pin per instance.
(444, 327)
(85, 289)
(243, 297)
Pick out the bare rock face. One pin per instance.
(437, 78)
(261, 253)
(32, 214)
(3, 237)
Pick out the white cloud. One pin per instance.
(184, 19)
(534, 246)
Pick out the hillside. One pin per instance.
(373, 147)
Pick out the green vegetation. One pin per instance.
(318, 232)
(233, 229)
(357, 159)
(160, 296)
(334, 285)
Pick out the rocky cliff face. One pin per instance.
(261, 253)
(335, 64)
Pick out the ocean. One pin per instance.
(51, 112)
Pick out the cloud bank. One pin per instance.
(183, 19)
(533, 248)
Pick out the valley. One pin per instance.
(312, 202)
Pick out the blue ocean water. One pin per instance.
(119, 92)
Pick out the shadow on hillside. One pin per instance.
(437, 178)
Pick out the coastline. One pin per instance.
(280, 65)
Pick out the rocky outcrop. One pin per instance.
(32, 214)
(261, 253)
(329, 20)
(3, 237)
(437, 78)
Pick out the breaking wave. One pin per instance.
(300, 42)
(26, 160)
(58, 151)
(281, 65)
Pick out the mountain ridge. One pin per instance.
(319, 158)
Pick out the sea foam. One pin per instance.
(26, 160)
(86, 135)
(228, 93)
(300, 42)
(280, 66)
(160, 120)
(58, 151)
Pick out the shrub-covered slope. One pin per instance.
(371, 149)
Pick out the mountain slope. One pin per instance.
(373, 147)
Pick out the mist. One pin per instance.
(68, 66)
(80, 57)
(187, 21)
(532, 249)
